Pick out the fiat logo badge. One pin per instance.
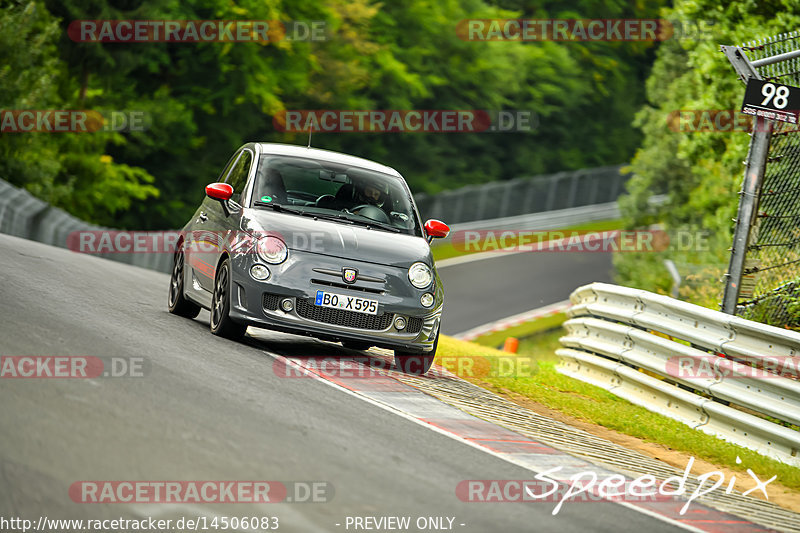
(349, 275)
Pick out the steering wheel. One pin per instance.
(326, 200)
(370, 211)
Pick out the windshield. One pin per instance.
(327, 189)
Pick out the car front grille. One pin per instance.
(414, 325)
(340, 317)
(346, 286)
(271, 301)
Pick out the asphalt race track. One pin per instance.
(479, 292)
(210, 409)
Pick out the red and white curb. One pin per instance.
(514, 320)
(379, 388)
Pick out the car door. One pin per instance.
(213, 225)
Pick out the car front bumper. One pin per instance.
(258, 303)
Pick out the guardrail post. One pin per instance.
(551, 192)
(573, 189)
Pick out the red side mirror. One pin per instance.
(436, 228)
(219, 191)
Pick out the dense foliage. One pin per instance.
(700, 172)
(204, 100)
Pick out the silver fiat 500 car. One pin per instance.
(317, 243)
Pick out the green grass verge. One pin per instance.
(447, 250)
(526, 329)
(595, 405)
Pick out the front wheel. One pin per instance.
(221, 323)
(413, 363)
(177, 302)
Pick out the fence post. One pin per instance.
(748, 209)
(755, 168)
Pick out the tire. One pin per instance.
(176, 301)
(415, 363)
(221, 323)
(356, 345)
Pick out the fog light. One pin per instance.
(287, 305)
(259, 272)
(400, 323)
(426, 299)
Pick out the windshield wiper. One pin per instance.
(328, 216)
(375, 223)
(284, 209)
(331, 216)
(278, 207)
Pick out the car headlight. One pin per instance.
(420, 275)
(426, 299)
(272, 250)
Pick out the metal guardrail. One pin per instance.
(545, 221)
(640, 346)
(525, 195)
(23, 215)
(550, 220)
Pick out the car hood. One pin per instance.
(339, 239)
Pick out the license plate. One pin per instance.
(348, 303)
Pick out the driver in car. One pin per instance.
(369, 193)
(374, 195)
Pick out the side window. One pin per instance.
(237, 178)
(228, 166)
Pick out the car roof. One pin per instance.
(325, 155)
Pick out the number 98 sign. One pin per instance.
(771, 100)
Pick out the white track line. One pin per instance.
(502, 456)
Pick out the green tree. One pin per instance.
(206, 99)
(699, 172)
(69, 170)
